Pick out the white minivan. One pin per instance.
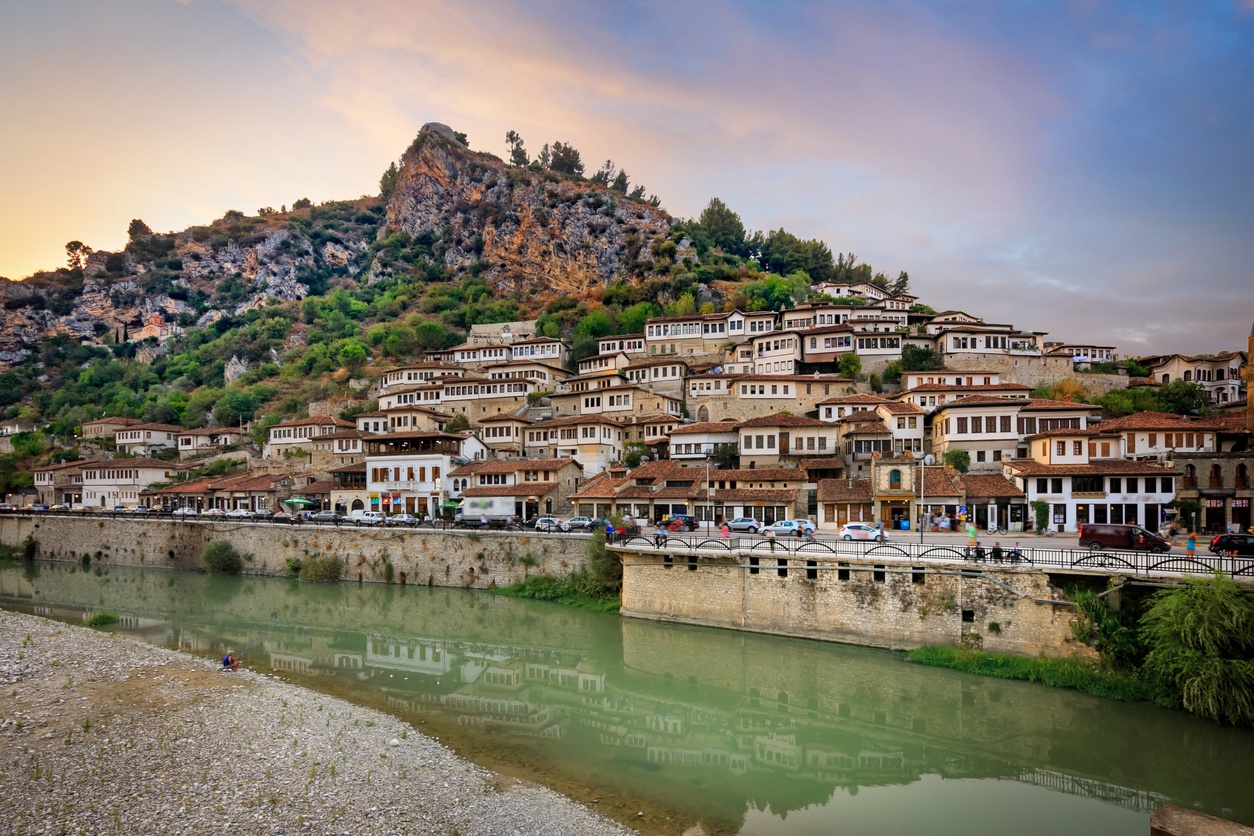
(366, 517)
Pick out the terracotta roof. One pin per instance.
(49, 468)
(120, 421)
(1161, 421)
(317, 420)
(902, 408)
(142, 462)
(842, 490)
(819, 464)
(519, 465)
(601, 486)
(574, 420)
(940, 482)
(853, 399)
(762, 474)
(322, 486)
(1099, 467)
(468, 468)
(946, 387)
(526, 489)
(1045, 403)
(986, 485)
(783, 419)
(660, 361)
(981, 400)
(360, 467)
(505, 417)
(212, 431)
(754, 495)
(1065, 431)
(706, 427)
(169, 428)
(865, 427)
(343, 434)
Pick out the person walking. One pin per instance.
(770, 538)
(725, 531)
(1190, 545)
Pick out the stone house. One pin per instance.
(297, 436)
(207, 440)
(594, 441)
(146, 439)
(536, 486)
(784, 439)
(60, 483)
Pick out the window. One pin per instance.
(962, 426)
(1062, 448)
(1042, 486)
(894, 479)
(1116, 484)
(1077, 448)
(1055, 485)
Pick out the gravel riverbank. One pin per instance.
(100, 733)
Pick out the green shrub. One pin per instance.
(321, 569)
(1060, 673)
(101, 618)
(221, 558)
(1200, 638)
(293, 566)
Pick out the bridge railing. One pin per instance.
(1040, 557)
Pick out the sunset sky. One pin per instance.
(1082, 168)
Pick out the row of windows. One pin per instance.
(394, 474)
(979, 424)
(1117, 484)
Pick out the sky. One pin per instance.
(1084, 168)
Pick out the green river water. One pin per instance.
(742, 733)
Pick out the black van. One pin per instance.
(1097, 536)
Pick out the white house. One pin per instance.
(405, 472)
(298, 434)
(146, 439)
(699, 441)
(120, 481)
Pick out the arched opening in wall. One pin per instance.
(1243, 476)
(1166, 378)
(358, 505)
(894, 480)
(1216, 476)
(703, 414)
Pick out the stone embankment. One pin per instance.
(103, 734)
(470, 560)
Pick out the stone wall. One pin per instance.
(894, 609)
(436, 558)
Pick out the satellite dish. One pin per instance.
(929, 460)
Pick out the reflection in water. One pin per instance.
(738, 731)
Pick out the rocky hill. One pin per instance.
(526, 233)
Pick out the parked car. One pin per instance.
(213, 512)
(118, 509)
(1098, 536)
(138, 509)
(240, 514)
(80, 508)
(401, 519)
(367, 518)
(580, 523)
(551, 524)
(682, 522)
(38, 506)
(185, 512)
(748, 524)
(1226, 545)
(7, 508)
(327, 517)
(862, 531)
(284, 517)
(796, 528)
(60, 506)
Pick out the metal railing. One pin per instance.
(1039, 557)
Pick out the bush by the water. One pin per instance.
(1200, 638)
(320, 569)
(101, 618)
(576, 590)
(1060, 673)
(221, 558)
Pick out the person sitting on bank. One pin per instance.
(229, 662)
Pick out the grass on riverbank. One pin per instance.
(574, 591)
(1059, 673)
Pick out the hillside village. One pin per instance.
(720, 415)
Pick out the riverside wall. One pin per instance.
(436, 558)
(1004, 610)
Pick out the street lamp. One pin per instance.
(709, 512)
(924, 463)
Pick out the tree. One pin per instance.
(1183, 397)
(387, 183)
(1040, 512)
(517, 154)
(221, 558)
(306, 203)
(76, 254)
(138, 229)
(565, 159)
(353, 357)
(620, 182)
(901, 285)
(917, 358)
(959, 460)
(633, 453)
(604, 174)
(723, 226)
(726, 456)
(461, 137)
(1200, 638)
(457, 424)
(849, 365)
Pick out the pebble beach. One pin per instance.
(101, 733)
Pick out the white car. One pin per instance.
(797, 528)
(748, 524)
(240, 513)
(579, 522)
(185, 512)
(862, 531)
(551, 524)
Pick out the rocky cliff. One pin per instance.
(528, 233)
(524, 229)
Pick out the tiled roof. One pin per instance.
(574, 420)
(468, 468)
(505, 418)
(317, 421)
(601, 486)
(986, 485)
(360, 467)
(117, 421)
(1045, 403)
(1162, 421)
(783, 419)
(946, 387)
(939, 482)
(902, 408)
(1098, 467)
(706, 427)
(842, 490)
(754, 495)
(168, 428)
(322, 486)
(519, 465)
(981, 400)
(760, 474)
(526, 489)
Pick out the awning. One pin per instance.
(451, 505)
(298, 500)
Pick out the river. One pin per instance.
(746, 734)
